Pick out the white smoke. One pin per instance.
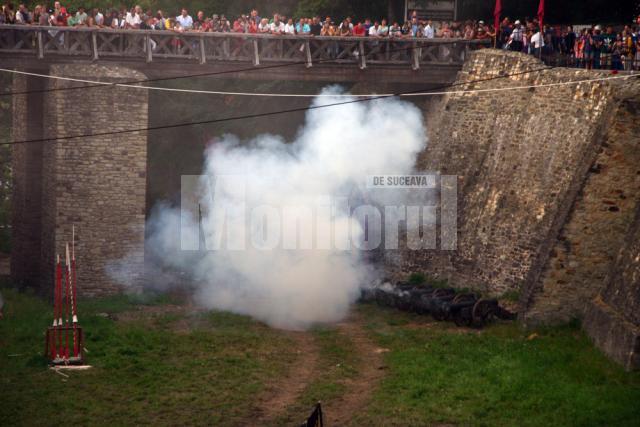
(335, 151)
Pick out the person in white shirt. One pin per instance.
(383, 30)
(429, 31)
(373, 31)
(133, 20)
(277, 27)
(185, 20)
(290, 28)
(98, 17)
(537, 43)
(264, 27)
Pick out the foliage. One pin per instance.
(512, 296)
(417, 278)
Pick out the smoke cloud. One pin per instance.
(290, 256)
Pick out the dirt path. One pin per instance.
(285, 391)
(370, 371)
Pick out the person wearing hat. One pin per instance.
(516, 39)
(598, 46)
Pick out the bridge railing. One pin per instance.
(151, 45)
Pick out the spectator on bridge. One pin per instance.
(225, 25)
(185, 20)
(429, 32)
(570, 40)
(395, 31)
(302, 28)
(627, 38)
(383, 31)
(636, 48)
(277, 26)
(264, 27)
(81, 16)
(598, 46)
(414, 25)
(327, 30)
(255, 17)
(315, 27)
(72, 21)
(445, 32)
(359, 30)
(98, 17)
(617, 52)
(37, 11)
(290, 27)
(112, 21)
(588, 46)
(133, 18)
(345, 29)
(516, 39)
(43, 17)
(200, 22)
(22, 16)
(161, 21)
(537, 43)
(373, 31)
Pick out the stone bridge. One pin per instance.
(167, 53)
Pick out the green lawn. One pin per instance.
(499, 376)
(144, 371)
(180, 368)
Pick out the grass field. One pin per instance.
(157, 363)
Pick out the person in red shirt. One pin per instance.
(253, 27)
(359, 30)
(238, 25)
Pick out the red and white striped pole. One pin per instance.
(73, 292)
(68, 300)
(55, 351)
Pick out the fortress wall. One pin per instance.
(27, 181)
(600, 221)
(96, 183)
(521, 158)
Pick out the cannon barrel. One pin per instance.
(465, 309)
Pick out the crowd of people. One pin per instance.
(590, 47)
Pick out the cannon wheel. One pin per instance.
(482, 311)
(463, 317)
(464, 298)
(441, 292)
(440, 315)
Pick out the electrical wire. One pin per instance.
(314, 107)
(297, 95)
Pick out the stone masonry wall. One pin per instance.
(27, 181)
(600, 220)
(521, 158)
(96, 183)
(613, 317)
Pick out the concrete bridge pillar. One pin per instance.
(97, 183)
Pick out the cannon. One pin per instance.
(463, 308)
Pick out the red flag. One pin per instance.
(496, 16)
(541, 15)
